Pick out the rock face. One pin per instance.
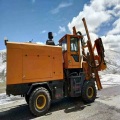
(2, 65)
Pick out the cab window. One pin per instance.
(73, 44)
(64, 45)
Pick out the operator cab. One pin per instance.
(71, 51)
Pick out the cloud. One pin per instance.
(98, 13)
(44, 31)
(60, 6)
(112, 42)
(95, 15)
(54, 34)
(33, 1)
(41, 43)
(116, 28)
(61, 30)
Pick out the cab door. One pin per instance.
(73, 51)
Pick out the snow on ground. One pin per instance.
(109, 80)
(4, 99)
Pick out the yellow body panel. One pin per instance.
(27, 62)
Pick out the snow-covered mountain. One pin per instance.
(2, 65)
(113, 62)
(112, 58)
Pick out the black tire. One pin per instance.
(39, 101)
(89, 91)
(27, 98)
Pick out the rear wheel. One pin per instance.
(88, 91)
(39, 101)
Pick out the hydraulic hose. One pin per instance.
(94, 66)
(87, 59)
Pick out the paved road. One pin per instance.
(106, 107)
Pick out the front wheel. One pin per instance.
(89, 91)
(39, 101)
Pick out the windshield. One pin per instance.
(74, 44)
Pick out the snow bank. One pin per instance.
(2, 65)
(113, 62)
(4, 99)
(109, 80)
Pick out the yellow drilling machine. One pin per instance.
(45, 73)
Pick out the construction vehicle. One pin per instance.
(45, 73)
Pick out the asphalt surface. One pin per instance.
(106, 107)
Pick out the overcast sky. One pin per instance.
(24, 20)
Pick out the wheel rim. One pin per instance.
(40, 101)
(90, 92)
